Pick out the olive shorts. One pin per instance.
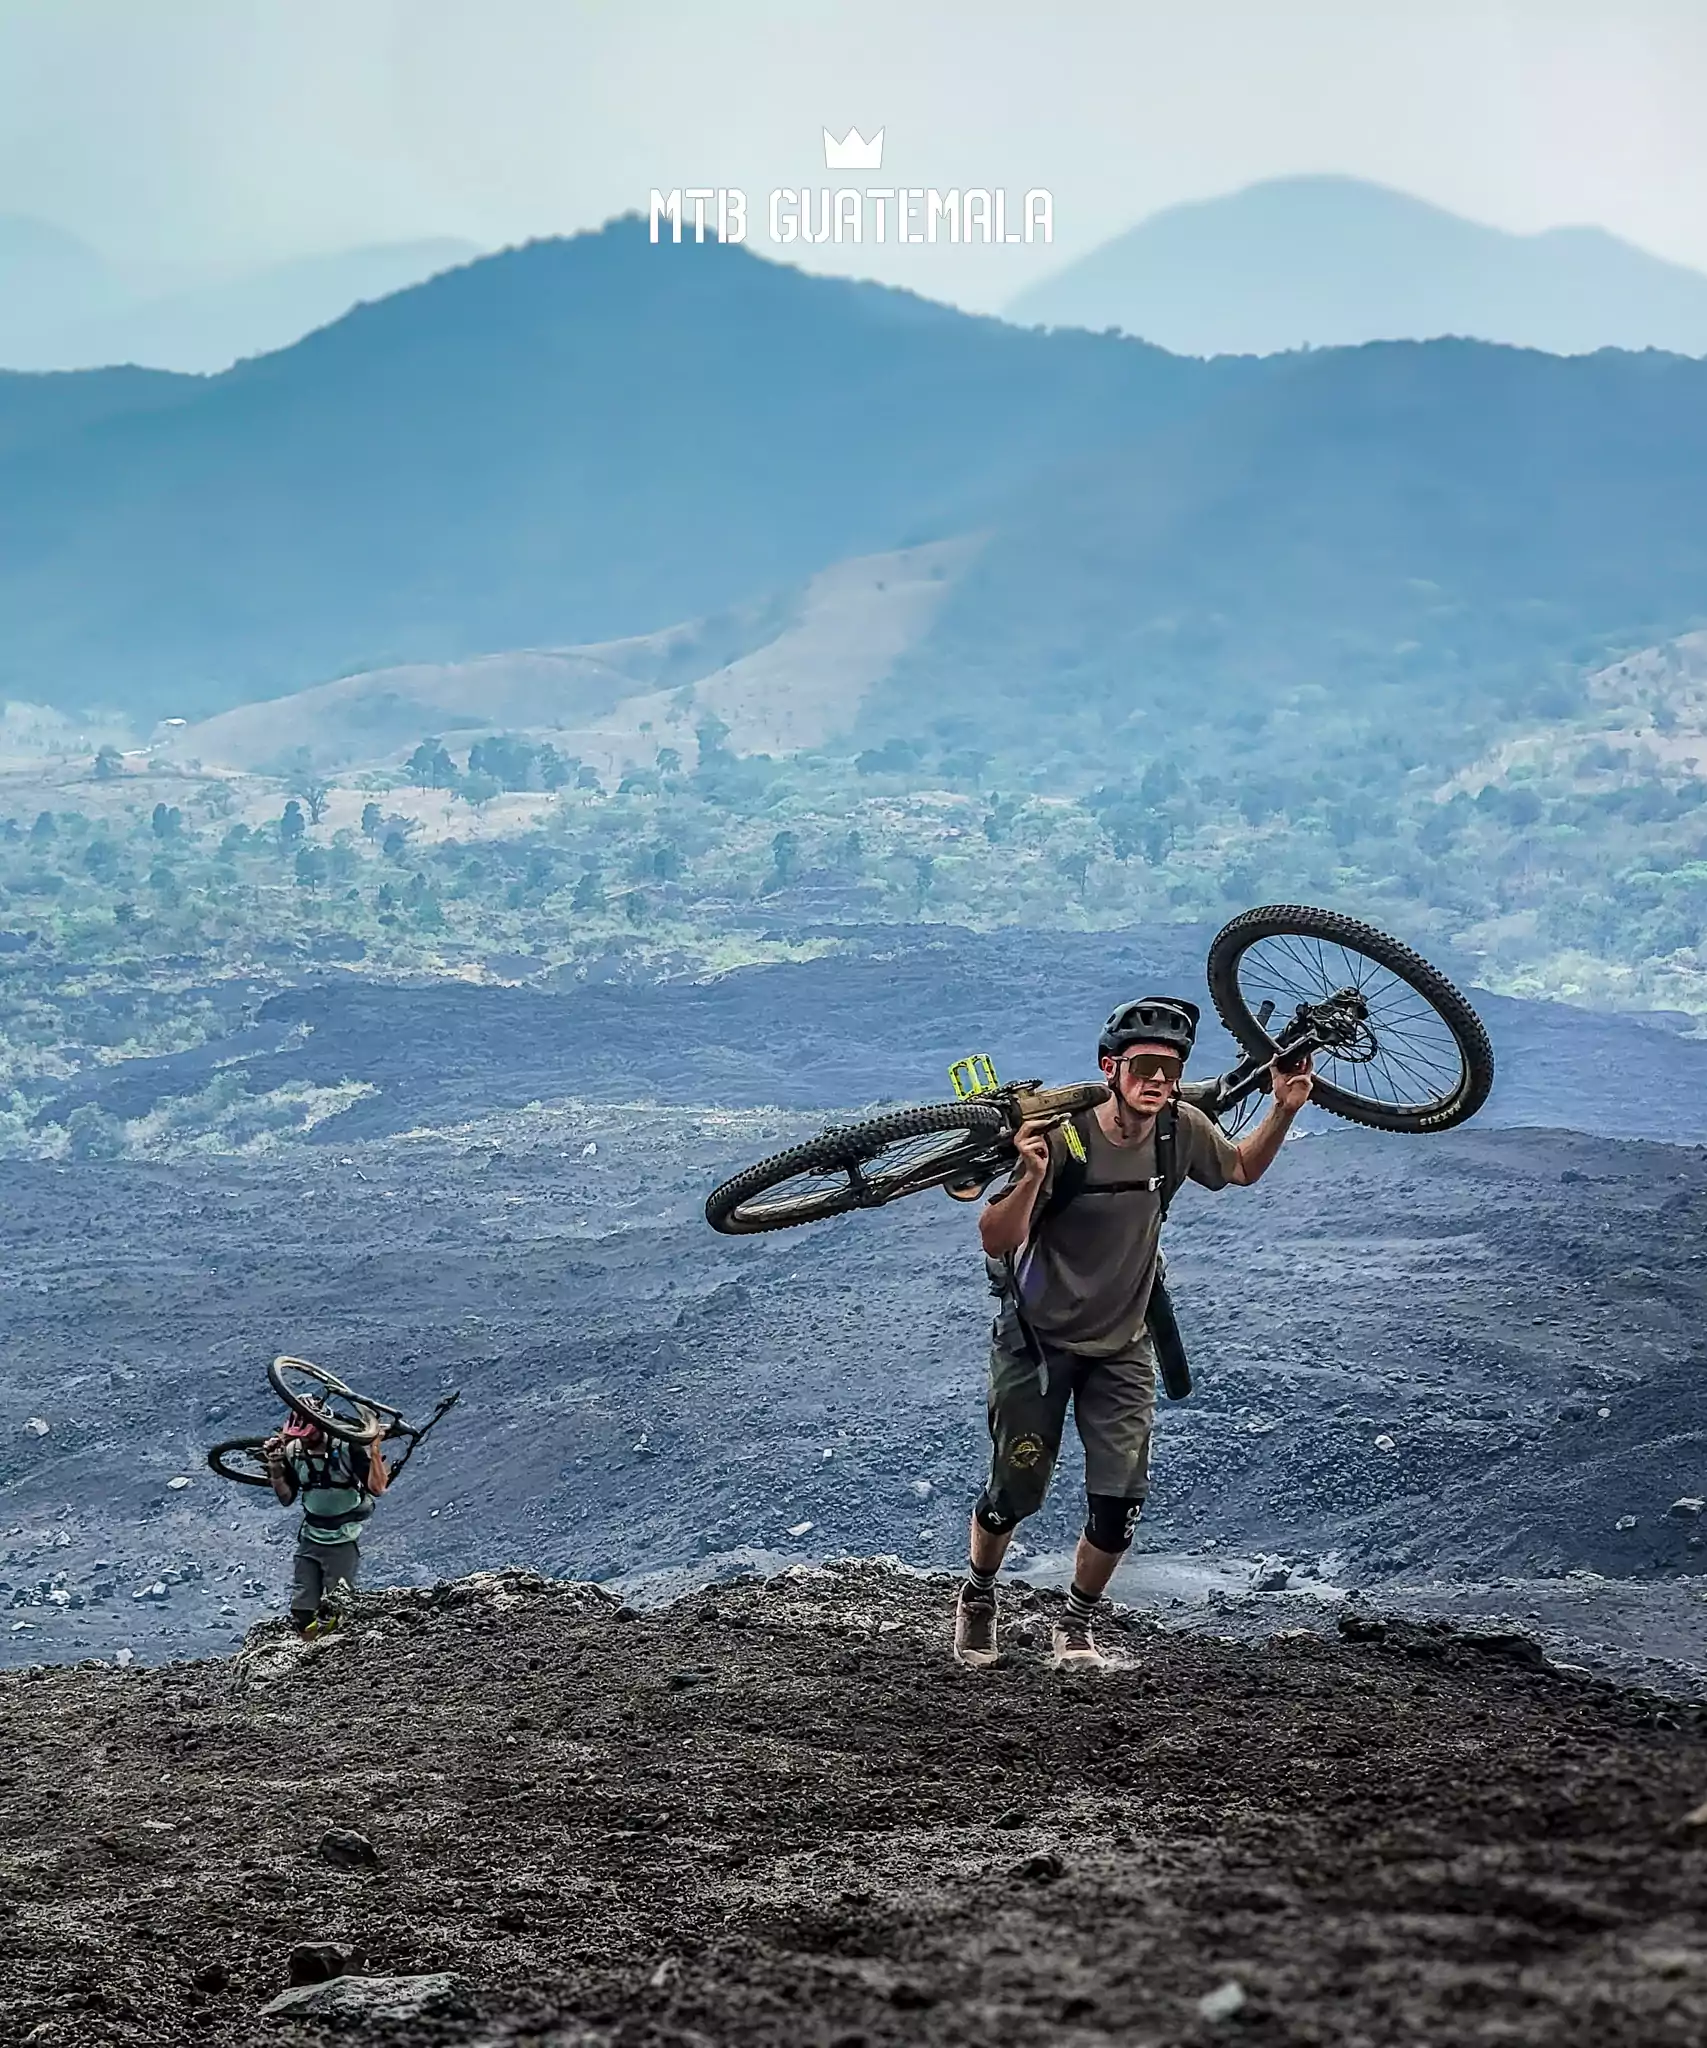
(1114, 1410)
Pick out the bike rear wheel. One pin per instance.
(240, 1458)
(320, 1397)
(1420, 1059)
(862, 1166)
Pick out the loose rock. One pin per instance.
(313, 1962)
(1221, 2003)
(348, 1850)
(439, 1995)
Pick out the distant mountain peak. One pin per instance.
(1328, 260)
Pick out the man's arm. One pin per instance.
(1004, 1223)
(1258, 1152)
(279, 1471)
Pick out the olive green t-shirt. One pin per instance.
(1085, 1274)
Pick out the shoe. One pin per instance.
(975, 1629)
(1072, 1647)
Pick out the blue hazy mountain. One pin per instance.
(583, 439)
(1441, 528)
(63, 306)
(1331, 261)
(566, 442)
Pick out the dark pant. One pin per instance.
(325, 1577)
(1114, 1408)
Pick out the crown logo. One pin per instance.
(853, 152)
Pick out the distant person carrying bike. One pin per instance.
(1072, 1243)
(327, 1455)
(337, 1484)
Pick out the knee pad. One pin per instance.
(1110, 1521)
(993, 1514)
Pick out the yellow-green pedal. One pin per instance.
(974, 1075)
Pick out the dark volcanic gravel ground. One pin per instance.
(780, 1815)
(1518, 1313)
(643, 1396)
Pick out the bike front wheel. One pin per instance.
(1418, 1057)
(861, 1166)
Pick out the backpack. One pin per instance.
(1072, 1180)
(1072, 1171)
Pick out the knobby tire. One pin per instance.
(243, 1475)
(853, 1145)
(1297, 920)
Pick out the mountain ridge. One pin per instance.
(1333, 261)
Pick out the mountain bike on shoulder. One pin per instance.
(1394, 1046)
(317, 1396)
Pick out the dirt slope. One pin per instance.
(780, 1815)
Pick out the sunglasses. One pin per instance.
(1153, 1066)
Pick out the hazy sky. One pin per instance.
(220, 131)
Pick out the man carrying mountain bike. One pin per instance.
(337, 1483)
(1072, 1243)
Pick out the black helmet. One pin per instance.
(1152, 1020)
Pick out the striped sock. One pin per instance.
(980, 1582)
(1080, 1606)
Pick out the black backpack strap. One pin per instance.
(1073, 1170)
(1167, 1155)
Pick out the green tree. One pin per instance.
(167, 822)
(372, 818)
(785, 857)
(589, 892)
(480, 788)
(109, 762)
(506, 758)
(1160, 780)
(292, 824)
(43, 829)
(431, 767)
(101, 859)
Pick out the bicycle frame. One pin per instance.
(418, 1436)
(1313, 1027)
